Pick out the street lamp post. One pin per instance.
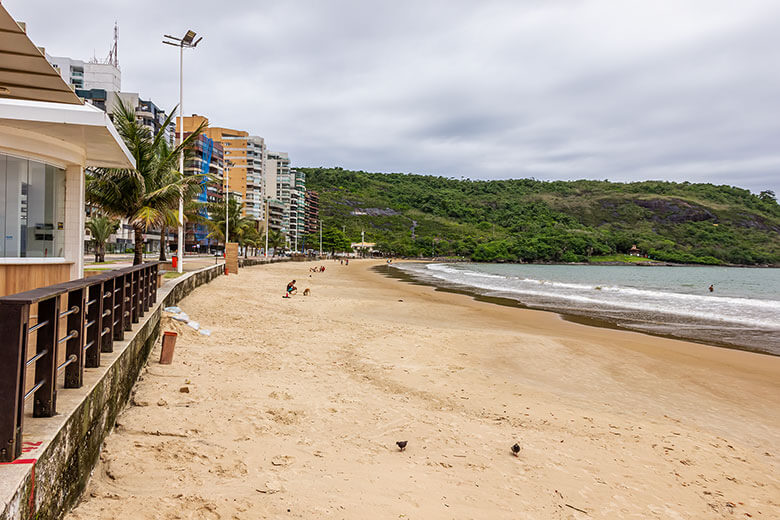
(320, 237)
(181, 43)
(265, 251)
(227, 207)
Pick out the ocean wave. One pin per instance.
(756, 313)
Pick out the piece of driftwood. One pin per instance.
(576, 508)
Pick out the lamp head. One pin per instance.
(187, 40)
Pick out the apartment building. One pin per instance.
(312, 218)
(254, 202)
(235, 146)
(87, 75)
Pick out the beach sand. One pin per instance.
(292, 408)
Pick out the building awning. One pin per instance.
(25, 73)
(81, 127)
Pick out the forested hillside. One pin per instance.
(561, 221)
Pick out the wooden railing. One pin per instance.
(62, 327)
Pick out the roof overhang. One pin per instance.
(24, 71)
(68, 134)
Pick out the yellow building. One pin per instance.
(234, 144)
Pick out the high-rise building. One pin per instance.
(298, 208)
(87, 74)
(147, 113)
(235, 146)
(205, 158)
(255, 178)
(312, 219)
(282, 180)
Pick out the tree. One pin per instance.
(276, 240)
(767, 196)
(335, 241)
(101, 228)
(170, 216)
(247, 237)
(144, 194)
(214, 220)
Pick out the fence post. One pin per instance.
(127, 300)
(74, 373)
(155, 270)
(135, 315)
(46, 367)
(107, 320)
(92, 333)
(14, 319)
(144, 290)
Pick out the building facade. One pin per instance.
(312, 220)
(87, 75)
(206, 158)
(254, 203)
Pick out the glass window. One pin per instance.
(32, 208)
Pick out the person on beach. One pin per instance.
(291, 289)
(712, 288)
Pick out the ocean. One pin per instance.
(743, 310)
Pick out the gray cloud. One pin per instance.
(561, 89)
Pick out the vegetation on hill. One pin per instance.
(561, 221)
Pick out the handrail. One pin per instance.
(42, 293)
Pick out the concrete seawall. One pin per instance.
(61, 451)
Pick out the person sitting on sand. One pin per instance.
(291, 289)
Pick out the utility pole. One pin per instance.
(320, 237)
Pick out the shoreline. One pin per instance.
(649, 263)
(583, 318)
(296, 413)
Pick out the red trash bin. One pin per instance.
(174, 262)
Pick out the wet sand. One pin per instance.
(292, 409)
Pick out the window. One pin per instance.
(32, 208)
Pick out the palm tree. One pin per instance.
(144, 194)
(214, 220)
(170, 216)
(101, 228)
(249, 237)
(276, 240)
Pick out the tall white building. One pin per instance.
(255, 177)
(289, 188)
(87, 75)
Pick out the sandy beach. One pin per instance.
(292, 408)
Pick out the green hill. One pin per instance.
(561, 221)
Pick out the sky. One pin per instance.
(624, 90)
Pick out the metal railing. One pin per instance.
(97, 311)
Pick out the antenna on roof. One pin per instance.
(113, 54)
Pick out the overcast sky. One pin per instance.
(552, 89)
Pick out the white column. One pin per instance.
(74, 220)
